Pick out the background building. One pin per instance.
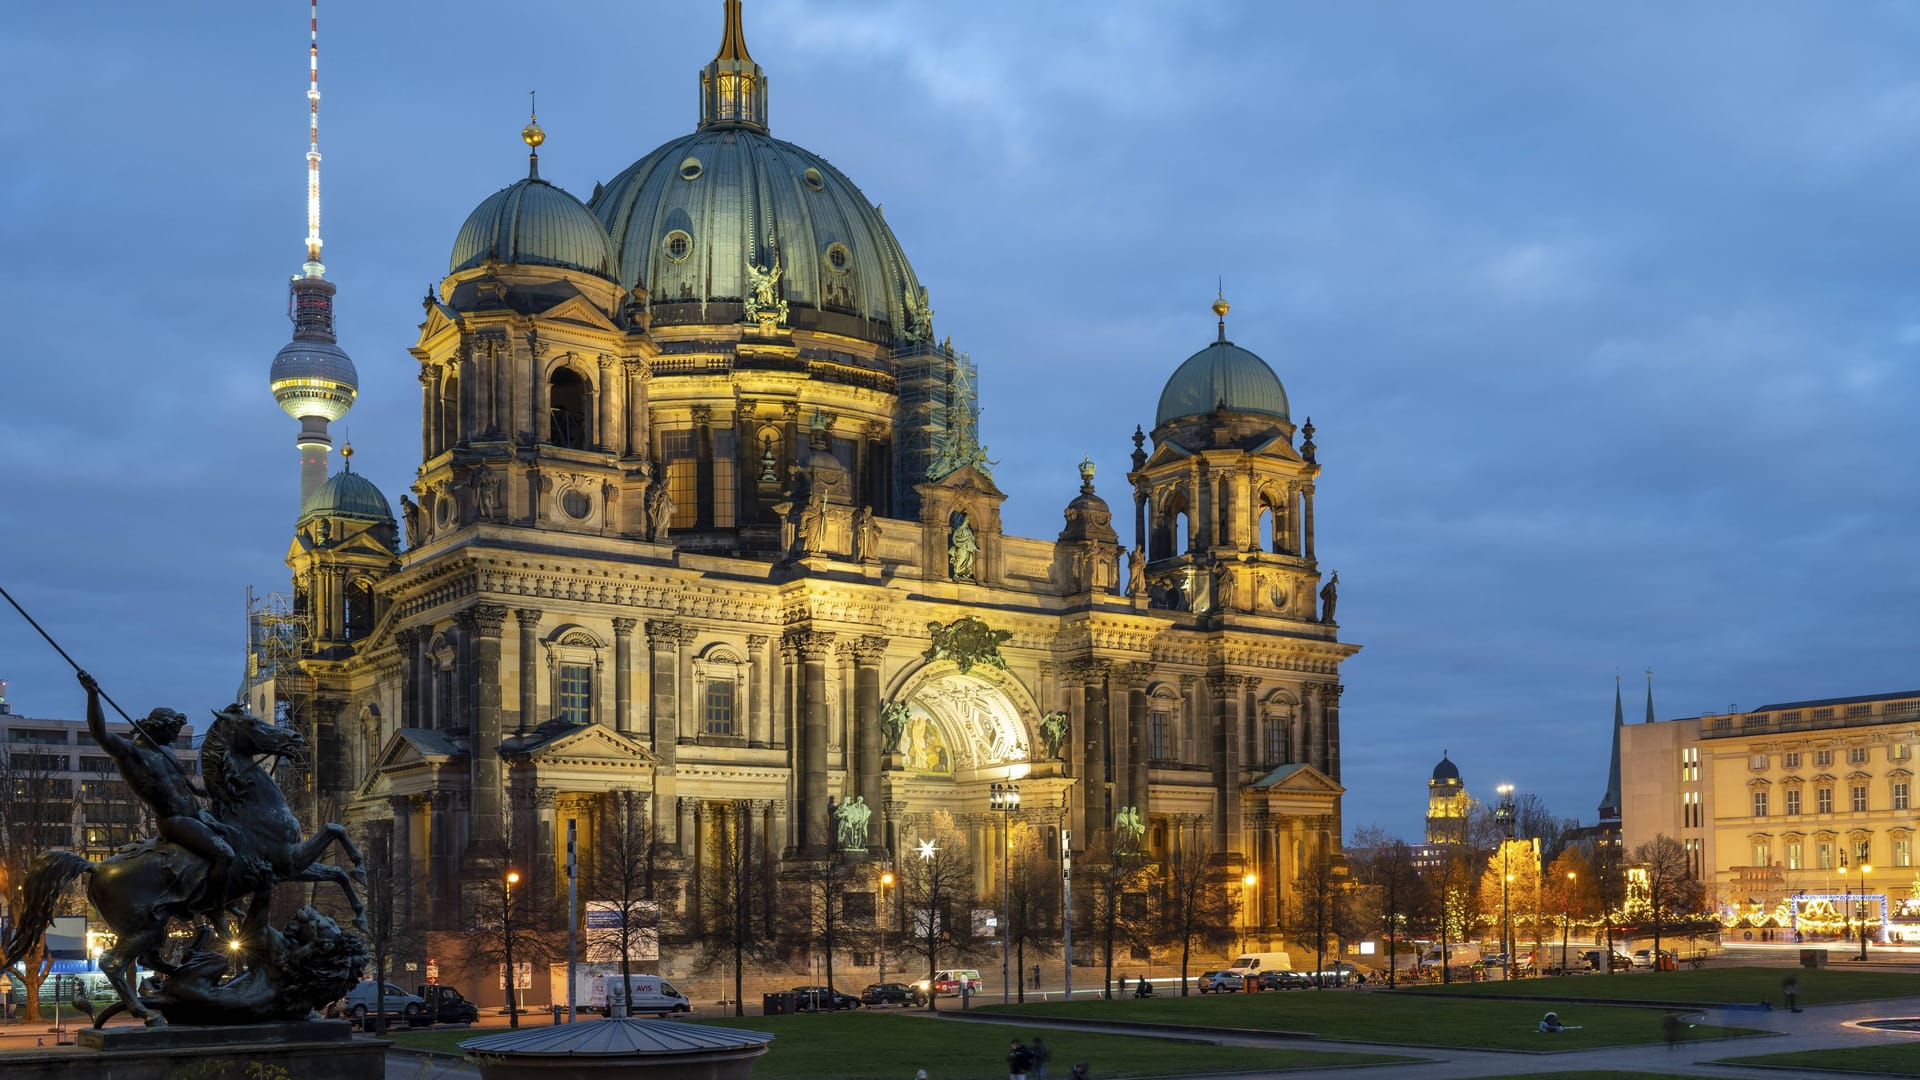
(1779, 801)
(702, 521)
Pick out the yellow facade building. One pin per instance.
(702, 519)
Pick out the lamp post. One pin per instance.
(1005, 799)
(886, 880)
(506, 926)
(1865, 869)
(1503, 814)
(1846, 904)
(1566, 917)
(1246, 907)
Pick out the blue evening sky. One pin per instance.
(1606, 314)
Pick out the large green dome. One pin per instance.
(1222, 376)
(688, 218)
(348, 494)
(532, 223)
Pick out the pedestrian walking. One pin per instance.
(1019, 1060)
(1040, 1054)
(1791, 991)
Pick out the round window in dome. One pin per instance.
(576, 504)
(678, 245)
(839, 259)
(691, 169)
(814, 179)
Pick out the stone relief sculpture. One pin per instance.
(659, 515)
(1136, 572)
(1053, 734)
(866, 535)
(967, 641)
(961, 548)
(486, 492)
(853, 815)
(1223, 588)
(241, 844)
(813, 523)
(893, 724)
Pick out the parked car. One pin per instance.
(1338, 973)
(365, 998)
(1644, 958)
(892, 994)
(1620, 961)
(445, 1005)
(950, 982)
(822, 999)
(1222, 982)
(1285, 980)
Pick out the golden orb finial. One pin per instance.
(1221, 307)
(531, 134)
(346, 457)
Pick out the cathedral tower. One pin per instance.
(1447, 804)
(312, 377)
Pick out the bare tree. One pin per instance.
(1570, 889)
(1609, 889)
(735, 895)
(936, 889)
(1671, 888)
(1195, 906)
(1384, 865)
(389, 928)
(36, 814)
(1316, 908)
(1454, 917)
(626, 871)
(1510, 889)
(1112, 906)
(1033, 896)
(510, 919)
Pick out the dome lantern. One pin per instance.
(733, 89)
(1223, 377)
(532, 223)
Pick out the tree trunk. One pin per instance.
(1186, 953)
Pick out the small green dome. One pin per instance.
(1222, 375)
(347, 494)
(533, 223)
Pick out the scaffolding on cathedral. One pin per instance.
(939, 417)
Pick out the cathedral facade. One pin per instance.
(702, 520)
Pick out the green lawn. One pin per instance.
(1604, 1074)
(887, 1046)
(1733, 985)
(1465, 1023)
(1894, 1059)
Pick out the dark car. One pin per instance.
(445, 1005)
(892, 994)
(822, 999)
(1222, 982)
(1275, 979)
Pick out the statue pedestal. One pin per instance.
(317, 1050)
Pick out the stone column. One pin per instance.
(1096, 736)
(1250, 748)
(1223, 689)
(636, 403)
(867, 653)
(443, 900)
(663, 719)
(1135, 677)
(407, 641)
(604, 435)
(429, 415)
(1249, 526)
(400, 869)
(623, 674)
(1190, 752)
(1200, 514)
(1306, 543)
(1316, 728)
(548, 876)
(529, 620)
(483, 623)
(469, 395)
(815, 647)
(1330, 709)
(759, 719)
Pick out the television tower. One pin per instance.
(312, 378)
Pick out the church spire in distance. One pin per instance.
(1610, 802)
(733, 89)
(312, 378)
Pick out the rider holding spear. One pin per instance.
(148, 765)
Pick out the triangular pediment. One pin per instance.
(440, 319)
(576, 309)
(1165, 451)
(417, 746)
(1297, 779)
(967, 479)
(579, 744)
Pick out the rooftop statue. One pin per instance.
(853, 814)
(243, 843)
(1053, 734)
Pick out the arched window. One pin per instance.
(449, 410)
(359, 620)
(719, 676)
(567, 395)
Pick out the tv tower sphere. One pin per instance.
(312, 376)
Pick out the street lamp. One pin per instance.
(506, 926)
(1566, 915)
(1503, 814)
(1246, 905)
(1005, 799)
(1865, 869)
(886, 880)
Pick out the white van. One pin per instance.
(1458, 954)
(1250, 964)
(643, 994)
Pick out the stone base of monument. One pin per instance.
(319, 1050)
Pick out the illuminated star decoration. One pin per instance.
(926, 849)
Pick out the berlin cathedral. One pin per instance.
(702, 521)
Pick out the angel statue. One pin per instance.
(893, 724)
(1053, 732)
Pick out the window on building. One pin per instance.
(567, 395)
(1857, 755)
(1859, 712)
(1823, 801)
(683, 475)
(576, 693)
(1762, 853)
(1822, 714)
(1899, 751)
(1276, 737)
(720, 708)
(1862, 852)
(1756, 761)
(1900, 794)
(1760, 802)
(1794, 854)
(1690, 809)
(1823, 855)
(724, 474)
(1902, 851)
(1793, 800)
(1693, 850)
(1792, 760)
(1157, 738)
(1859, 798)
(1690, 763)
(1822, 758)
(37, 737)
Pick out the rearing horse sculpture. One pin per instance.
(142, 887)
